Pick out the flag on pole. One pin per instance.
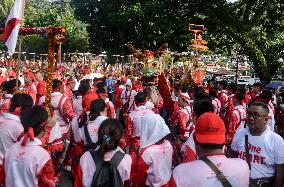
(12, 25)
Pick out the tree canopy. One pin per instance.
(256, 26)
(43, 13)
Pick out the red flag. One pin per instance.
(12, 26)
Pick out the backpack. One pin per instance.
(90, 145)
(106, 174)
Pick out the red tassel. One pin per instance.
(25, 139)
(29, 134)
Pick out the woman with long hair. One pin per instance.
(109, 135)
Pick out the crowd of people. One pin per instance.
(114, 130)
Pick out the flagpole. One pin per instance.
(20, 50)
(19, 63)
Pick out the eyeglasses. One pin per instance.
(255, 116)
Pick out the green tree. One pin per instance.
(43, 13)
(5, 6)
(254, 24)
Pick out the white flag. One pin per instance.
(12, 26)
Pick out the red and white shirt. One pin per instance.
(188, 149)
(87, 168)
(5, 104)
(10, 129)
(93, 128)
(111, 110)
(31, 90)
(235, 170)
(63, 110)
(128, 96)
(77, 106)
(154, 165)
(133, 125)
(29, 165)
(223, 98)
(217, 105)
(265, 151)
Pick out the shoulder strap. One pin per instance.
(59, 103)
(87, 134)
(116, 159)
(99, 164)
(218, 173)
(247, 151)
(241, 119)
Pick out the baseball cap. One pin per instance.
(210, 129)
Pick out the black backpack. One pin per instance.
(106, 174)
(90, 145)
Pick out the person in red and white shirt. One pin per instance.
(98, 113)
(215, 101)
(153, 167)
(238, 116)
(76, 146)
(110, 106)
(266, 156)
(109, 135)
(11, 127)
(188, 148)
(64, 113)
(29, 87)
(128, 95)
(40, 86)
(27, 163)
(133, 123)
(209, 140)
(70, 85)
(9, 88)
(223, 96)
(62, 106)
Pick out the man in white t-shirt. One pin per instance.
(213, 166)
(265, 148)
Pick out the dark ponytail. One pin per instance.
(109, 135)
(96, 107)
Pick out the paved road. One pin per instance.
(65, 180)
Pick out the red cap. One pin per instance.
(210, 129)
(88, 99)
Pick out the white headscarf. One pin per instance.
(128, 82)
(153, 129)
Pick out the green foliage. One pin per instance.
(42, 13)
(5, 6)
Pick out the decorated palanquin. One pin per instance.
(150, 69)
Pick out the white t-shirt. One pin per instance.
(199, 174)
(265, 151)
